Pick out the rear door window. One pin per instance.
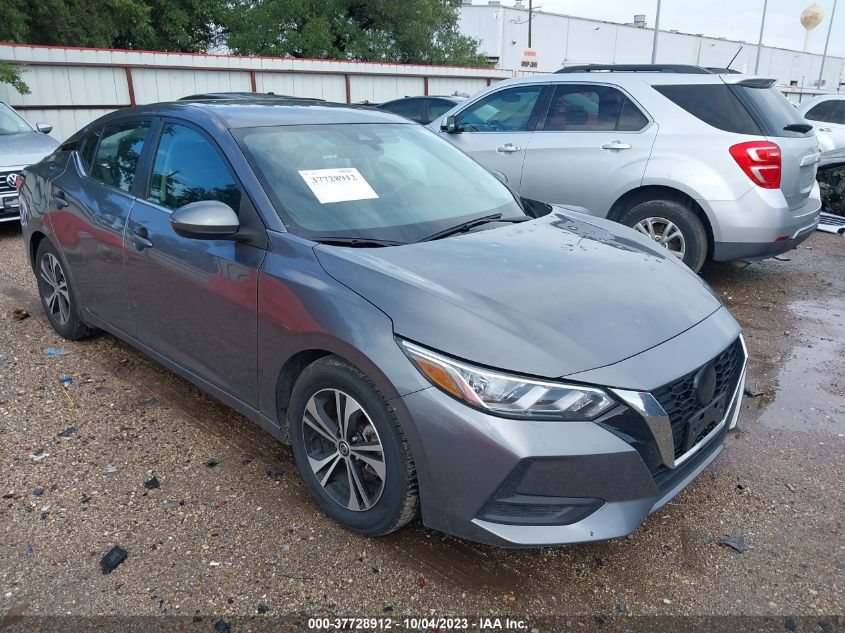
(438, 107)
(118, 154)
(408, 108)
(508, 110)
(715, 104)
(589, 108)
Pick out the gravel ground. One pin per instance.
(230, 530)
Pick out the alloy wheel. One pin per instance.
(344, 449)
(54, 289)
(664, 232)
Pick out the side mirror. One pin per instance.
(44, 128)
(451, 125)
(205, 220)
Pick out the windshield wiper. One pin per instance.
(362, 242)
(801, 128)
(463, 227)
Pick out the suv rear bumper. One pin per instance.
(761, 225)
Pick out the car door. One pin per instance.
(93, 199)
(195, 300)
(496, 129)
(591, 144)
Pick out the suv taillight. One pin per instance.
(760, 160)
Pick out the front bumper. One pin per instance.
(760, 224)
(520, 483)
(9, 208)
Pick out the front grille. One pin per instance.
(678, 397)
(5, 187)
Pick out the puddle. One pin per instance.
(810, 393)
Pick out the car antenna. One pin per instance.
(733, 59)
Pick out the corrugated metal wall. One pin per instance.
(73, 86)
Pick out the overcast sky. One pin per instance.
(733, 19)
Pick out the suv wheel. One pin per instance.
(350, 449)
(57, 296)
(672, 225)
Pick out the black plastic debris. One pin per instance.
(114, 557)
(38, 492)
(262, 609)
(221, 626)
(752, 393)
(735, 542)
(275, 474)
(151, 484)
(246, 460)
(789, 624)
(621, 608)
(68, 431)
(211, 463)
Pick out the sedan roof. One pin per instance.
(243, 113)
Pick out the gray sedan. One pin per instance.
(20, 145)
(518, 374)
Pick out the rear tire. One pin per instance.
(58, 298)
(357, 465)
(674, 226)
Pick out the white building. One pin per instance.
(561, 40)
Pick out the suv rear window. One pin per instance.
(772, 109)
(715, 104)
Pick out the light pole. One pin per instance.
(760, 40)
(530, 14)
(656, 31)
(826, 42)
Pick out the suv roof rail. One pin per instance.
(636, 68)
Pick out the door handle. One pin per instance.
(508, 148)
(60, 200)
(616, 145)
(140, 238)
(825, 129)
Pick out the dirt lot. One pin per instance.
(238, 535)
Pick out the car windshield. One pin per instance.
(393, 182)
(11, 122)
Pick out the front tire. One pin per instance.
(57, 296)
(674, 226)
(350, 449)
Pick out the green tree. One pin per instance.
(406, 31)
(10, 74)
(172, 25)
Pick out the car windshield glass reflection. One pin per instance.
(388, 182)
(11, 122)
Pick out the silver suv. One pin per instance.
(708, 165)
(20, 145)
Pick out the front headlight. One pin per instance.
(503, 394)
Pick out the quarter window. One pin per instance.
(504, 111)
(715, 104)
(820, 112)
(117, 155)
(188, 169)
(87, 149)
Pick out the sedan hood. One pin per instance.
(561, 294)
(21, 150)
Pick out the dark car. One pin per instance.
(368, 293)
(421, 109)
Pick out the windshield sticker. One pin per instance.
(338, 185)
